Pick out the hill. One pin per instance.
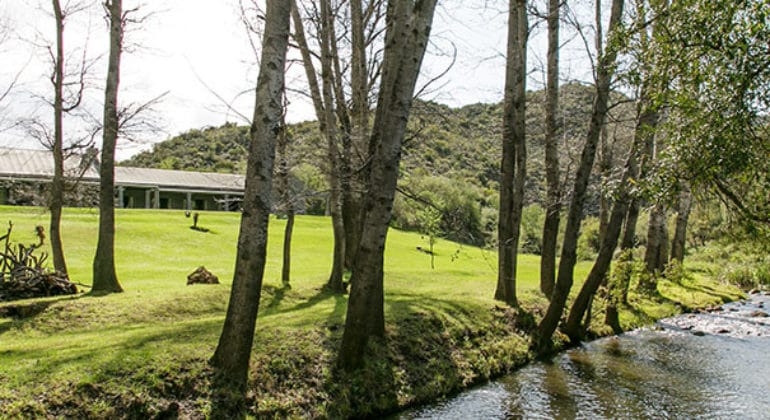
(450, 155)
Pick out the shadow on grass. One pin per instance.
(708, 290)
(433, 348)
(25, 311)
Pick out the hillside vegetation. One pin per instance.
(450, 155)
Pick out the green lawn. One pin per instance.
(148, 345)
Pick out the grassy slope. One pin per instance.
(143, 352)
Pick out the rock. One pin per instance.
(754, 292)
(698, 333)
(723, 331)
(202, 276)
(758, 314)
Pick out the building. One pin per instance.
(26, 174)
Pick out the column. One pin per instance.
(147, 199)
(156, 204)
(120, 197)
(189, 201)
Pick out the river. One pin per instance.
(713, 364)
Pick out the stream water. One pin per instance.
(712, 364)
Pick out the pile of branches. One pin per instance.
(22, 272)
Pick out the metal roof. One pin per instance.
(165, 178)
(20, 163)
(39, 164)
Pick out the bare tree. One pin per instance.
(105, 278)
(553, 200)
(69, 86)
(542, 340)
(231, 357)
(323, 102)
(408, 31)
(514, 159)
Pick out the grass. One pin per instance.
(143, 352)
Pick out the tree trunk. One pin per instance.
(553, 203)
(287, 203)
(231, 357)
(600, 269)
(105, 278)
(680, 232)
(408, 31)
(645, 134)
(359, 132)
(57, 183)
(542, 340)
(323, 103)
(287, 234)
(335, 166)
(514, 160)
(656, 254)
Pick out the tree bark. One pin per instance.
(287, 235)
(680, 232)
(231, 357)
(656, 254)
(359, 132)
(408, 31)
(287, 204)
(553, 189)
(573, 327)
(542, 341)
(57, 183)
(514, 159)
(335, 169)
(105, 278)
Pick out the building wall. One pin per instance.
(137, 198)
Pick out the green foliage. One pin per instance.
(457, 202)
(719, 95)
(532, 220)
(588, 242)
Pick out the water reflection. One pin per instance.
(667, 372)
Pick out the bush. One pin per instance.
(741, 276)
(532, 220)
(588, 242)
(459, 202)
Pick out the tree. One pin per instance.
(542, 340)
(69, 88)
(514, 159)
(104, 277)
(323, 102)
(682, 215)
(231, 357)
(553, 200)
(715, 54)
(286, 203)
(408, 31)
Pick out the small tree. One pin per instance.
(430, 225)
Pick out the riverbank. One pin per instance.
(707, 364)
(143, 353)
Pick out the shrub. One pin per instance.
(588, 242)
(532, 219)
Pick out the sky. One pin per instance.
(198, 54)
